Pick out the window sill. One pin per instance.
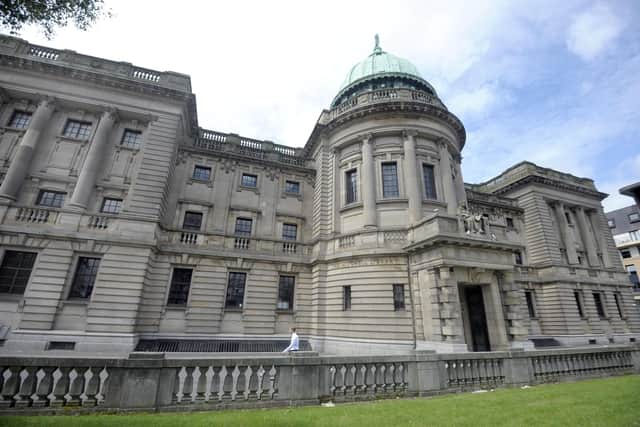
(176, 307)
(392, 200)
(233, 310)
(253, 189)
(73, 139)
(282, 311)
(199, 181)
(77, 301)
(11, 297)
(351, 206)
(292, 195)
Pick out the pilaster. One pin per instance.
(447, 178)
(411, 177)
(587, 237)
(368, 182)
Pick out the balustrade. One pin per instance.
(473, 373)
(351, 379)
(35, 215)
(98, 221)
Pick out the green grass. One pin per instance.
(602, 402)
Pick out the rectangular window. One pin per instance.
(20, 120)
(285, 293)
(289, 232)
(15, 271)
(509, 222)
(76, 129)
(85, 277)
(429, 182)
(346, 298)
(192, 221)
(52, 199)
(131, 138)
(625, 254)
(249, 180)
(597, 299)
(568, 217)
(292, 187)
(611, 223)
(633, 275)
(578, 296)
(243, 226)
(351, 183)
(530, 304)
(518, 257)
(634, 217)
(618, 298)
(390, 180)
(111, 205)
(235, 290)
(398, 297)
(180, 284)
(201, 173)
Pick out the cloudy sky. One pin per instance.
(553, 82)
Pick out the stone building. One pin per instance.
(122, 221)
(625, 227)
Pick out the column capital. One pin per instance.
(409, 133)
(366, 137)
(111, 113)
(46, 101)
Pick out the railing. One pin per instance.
(44, 53)
(152, 381)
(289, 248)
(385, 95)
(347, 241)
(242, 243)
(98, 221)
(189, 238)
(141, 74)
(35, 215)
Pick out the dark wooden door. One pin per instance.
(477, 318)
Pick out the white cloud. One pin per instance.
(592, 31)
(477, 103)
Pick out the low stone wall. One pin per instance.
(155, 381)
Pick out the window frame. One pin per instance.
(346, 298)
(173, 283)
(390, 188)
(82, 132)
(17, 269)
(75, 289)
(291, 296)
(433, 185)
(192, 214)
(351, 186)
(243, 233)
(132, 143)
(13, 119)
(598, 301)
(247, 174)
(56, 193)
(111, 199)
(530, 299)
(288, 236)
(195, 176)
(227, 300)
(399, 304)
(617, 297)
(579, 297)
(633, 217)
(286, 187)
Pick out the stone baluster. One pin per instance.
(569, 243)
(447, 179)
(28, 144)
(91, 166)
(587, 237)
(411, 174)
(368, 182)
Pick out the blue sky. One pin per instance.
(553, 82)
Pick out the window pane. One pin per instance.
(618, 299)
(235, 290)
(346, 298)
(597, 299)
(111, 205)
(52, 199)
(85, 277)
(390, 180)
(202, 173)
(429, 182)
(285, 293)
(131, 138)
(578, 298)
(192, 221)
(249, 180)
(180, 284)
(77, 129)
(398, 297)
(530, 304)
(352, 186)
(289, 231)
(20, 120)
(243, 226)
(292, 187)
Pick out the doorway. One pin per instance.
(477, 318)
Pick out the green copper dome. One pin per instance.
(380, 70)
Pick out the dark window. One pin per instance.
(111, 205)
(249, 180)
(20, 120)
(15, 271)
(285, 292)
(611, 223)
(398, 297)
(351, 183)
(202, 173)
(85, 277)
(289, 232)
(235, 290)
(292, 187)
(390, 180)
(180, 284)
(509, 222)
(346, 298)
(518, 257)
(625, 254)
(578, 296)
(597, 299)
(530, 304)
(634, 217)
(429, 182)
(52, 199)
(77, 129)
(243, 226)
(633, 275)
(568, 217)
(192, 221)
(131, 138)
(618, 298)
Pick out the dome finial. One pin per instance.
(377, 49)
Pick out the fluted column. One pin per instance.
(569, 243)
(368, 182)
(24, 153)
(91, 166)
(447, 179)
(587, 238)
(411, 174)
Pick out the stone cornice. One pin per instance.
(536, 179)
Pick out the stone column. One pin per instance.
(587, 238)
(22, 160)
(569, 243)
(411, 174)
(368, 182)
(599, 226)
(91, 166)
(447, 180)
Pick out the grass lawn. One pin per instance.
(602, 402)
